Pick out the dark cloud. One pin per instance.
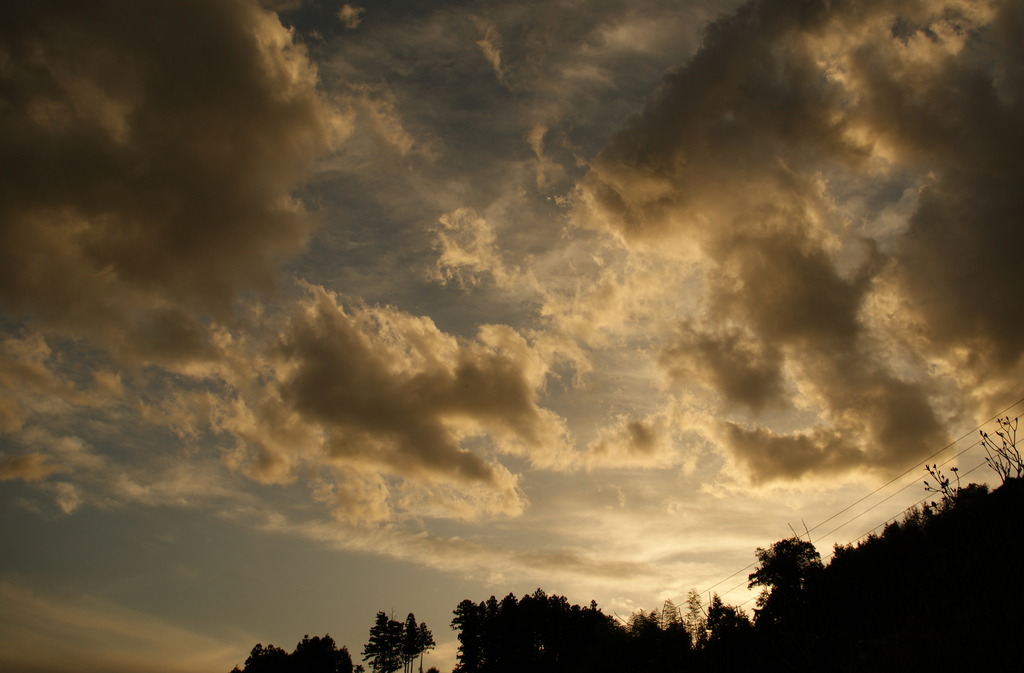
(30, 467)
(770, 456)
(957, 263)
(727, 125)
(746, 154)
(149, 151)
(734, 363)
(875, 420)
(786, 287)
(392, 391)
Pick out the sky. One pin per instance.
(310, 309)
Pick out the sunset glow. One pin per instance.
(314, 309)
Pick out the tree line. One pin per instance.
(392, 645)
(311, 655)
(937, 590)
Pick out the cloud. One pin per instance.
(35, 379)
(472, 556)
(150, 156)
(381, 371)
(743, 232)
(378, 412)
(489, 43)
(66, 495)
(632, 442)
(95, 471)
(174, 482)
(389, 413)
(30, 467)
(351, 15)
(748, 164)
(377, 107)
(768, 455)
(730, 361)
(468, 250)
(44, 633)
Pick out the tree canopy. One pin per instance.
(394, 644)
(311, 655)
(784, 570)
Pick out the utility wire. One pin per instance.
(916, 465)
(891, 495)
(883, 486)
(884, 523)
(729, 578)
(916, 504)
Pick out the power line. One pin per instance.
(729, 578)
(880, 488)
(916, 504)
(884, 523)
(916, 465)
(891, 495)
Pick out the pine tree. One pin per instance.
(424, 641)
(384, 651)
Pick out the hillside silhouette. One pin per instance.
(939, 590)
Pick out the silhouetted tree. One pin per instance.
(320, 655)
(416, 639)
(725, 622)
(469, 622)
(644, 640)
(538, 633)
(729, 643)
(670, 615)
(696, 623)
(409, 643)
(424, 642)
(783, 570)
(311, 655)
(384, 650)
(267, 659)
